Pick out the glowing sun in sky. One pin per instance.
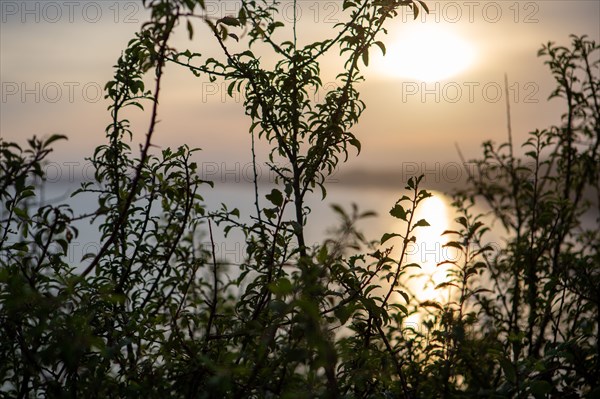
(427, 52)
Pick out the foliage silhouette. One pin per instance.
(153, 313)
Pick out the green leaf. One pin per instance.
(387, 236)
(453, 244)
(343, 313)
(20, 213)
(190, 4)
(275, 25)
(398, 212)
(190, 30)
(64, 245)
(283, 286)
(445, 284)
(432, 304)
(242, 16)
(422, 223)
(27, 193)
(402, 308)
(365, 57)
(508, 368)
(53, 138)
(275, 197)
(450, 232)
(229, 21)
(322, 255)
(355, 143)
(270, 213)
(89, 255)
(404, 295)
(462, 220)
(381, 46)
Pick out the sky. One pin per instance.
(441, 84)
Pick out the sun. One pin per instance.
(427, 52)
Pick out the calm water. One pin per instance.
(321, 220)
(428, 251)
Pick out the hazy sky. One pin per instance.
(441, 83)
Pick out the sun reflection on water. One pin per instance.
(428, 251)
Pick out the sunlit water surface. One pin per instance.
(428, 251)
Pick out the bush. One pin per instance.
(154, 314)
